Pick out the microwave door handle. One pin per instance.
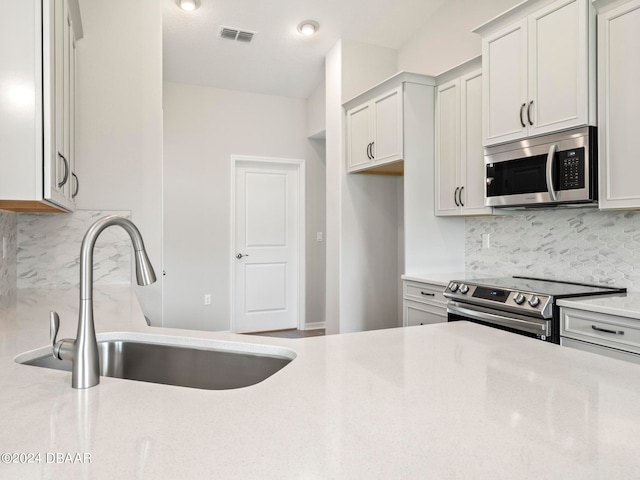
(550, 158)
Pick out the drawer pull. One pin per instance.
(427, 294)
(615, 332)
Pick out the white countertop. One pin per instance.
(623, 305)
(443, 278)
(446, 401)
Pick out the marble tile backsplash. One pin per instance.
(49, 250)
(583, 245)
(8, 267)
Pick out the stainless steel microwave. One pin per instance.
(560, 169)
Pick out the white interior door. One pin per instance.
(267, 246)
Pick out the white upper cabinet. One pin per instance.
(376, 133)
(618, 104)
(539, 70)
(460, 177)
(37, 128)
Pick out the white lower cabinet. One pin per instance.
(610, 335)
(423, 304)
(618, 104)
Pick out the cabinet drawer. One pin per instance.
(608, 330)
(424, 292)
(600, 350)
(416, 313)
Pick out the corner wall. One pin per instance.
(119, 121)
(362, 210)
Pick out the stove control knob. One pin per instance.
(519, 299)
(453, 287)
(464, 289)
(534, 301)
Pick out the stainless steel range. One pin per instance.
(522, 305)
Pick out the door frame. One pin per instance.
(236, 160)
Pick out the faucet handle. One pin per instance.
(54, 326)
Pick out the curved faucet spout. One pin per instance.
(144, 271)
(83, 351)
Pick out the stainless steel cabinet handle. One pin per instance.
(369, 151)
(373, 155)
(240, 255)
(66, 170)
(455, 196)
(615, 332)
(75, 192)
(529, 113)
(427, 294)
(521, 120)
(550, 158)
(460, 196)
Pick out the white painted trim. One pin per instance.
(302, 237)
(314, 326)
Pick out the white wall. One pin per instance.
(203, 127)
(316, 114)
(119, 121)
(362, 210)
(446, 39)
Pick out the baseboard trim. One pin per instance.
(314, 326)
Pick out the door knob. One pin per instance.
(239, 256)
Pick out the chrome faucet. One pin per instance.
(83, 351)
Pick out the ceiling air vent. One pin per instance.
(231, 33)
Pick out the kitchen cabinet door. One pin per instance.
(448, 148)
(387, 142)
(505, 84)
(422, 314)
(472, 167)
(359, 133)
(618, 106)
(558, 67)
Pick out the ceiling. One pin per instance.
(278, 61)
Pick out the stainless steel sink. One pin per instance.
(178, 365)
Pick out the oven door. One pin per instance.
(511, 322)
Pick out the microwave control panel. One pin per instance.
(570, 166)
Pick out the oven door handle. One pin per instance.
(505, 321)
(550, 160)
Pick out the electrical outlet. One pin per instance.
(319, 236)
(207, 299)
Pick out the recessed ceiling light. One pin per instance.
(188, 5)
(308, 27)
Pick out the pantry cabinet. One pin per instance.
(618, 104)
(37, 133)
(376, 125)
(460, 177)
(539, 70)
